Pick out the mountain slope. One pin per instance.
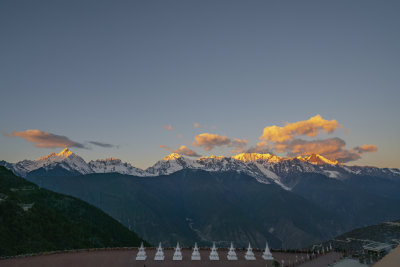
(195, 205)
(384, 233)
(34, 219)
(356, 206)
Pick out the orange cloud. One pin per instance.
(169, 127)
(310, 127)
(209, 141)
(183, 150)
(331, 148)
(46, 139)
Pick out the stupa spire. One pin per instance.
(214, 254)
(267, 255)
(249, 254)
(141, 256)
(159, 254)
(177, 253)
(232, 254)
(196, 253)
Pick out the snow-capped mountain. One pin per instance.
(171, 164)
(65, 159)
(114, 165)
(265, 168)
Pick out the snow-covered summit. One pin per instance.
(170, 164)
(318, 159)
(110, 165)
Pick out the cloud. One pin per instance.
(261, 147)
(286, 139)
(331, 148)
(100, 144)
(310, 127)
(239, 145)
(366, 148)
(209, 141)
(46, 139)
(183, 150)
(169, 127)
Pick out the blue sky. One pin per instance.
(117, 72)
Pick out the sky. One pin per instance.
(138, 80)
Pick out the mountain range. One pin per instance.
(265, 168)
(291, 202)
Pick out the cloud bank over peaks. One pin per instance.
(310, 128)
(209, 141)
(43, 139)
(286, 139)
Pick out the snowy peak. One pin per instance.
(109, 165)
(65, 153)
(173, 156)
(245, 157)
(252, 157)
(317, 159)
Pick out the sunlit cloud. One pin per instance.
(169, 127)
(182, 150)
(310, 128)
(209, 141)
(286, 139)
(45, 139)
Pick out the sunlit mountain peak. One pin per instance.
(211, 157)
(317, 159)
(245, 157)
(173, 156)
(65, 153)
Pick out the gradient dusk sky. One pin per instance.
(139, 74)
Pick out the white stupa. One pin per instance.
(232, 254)
(249, 254)
(214, 254)
(178, 253)
(141, 256)
(196, 253)
(267, 255)
(159, 254)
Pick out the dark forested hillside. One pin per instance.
(34, 219)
